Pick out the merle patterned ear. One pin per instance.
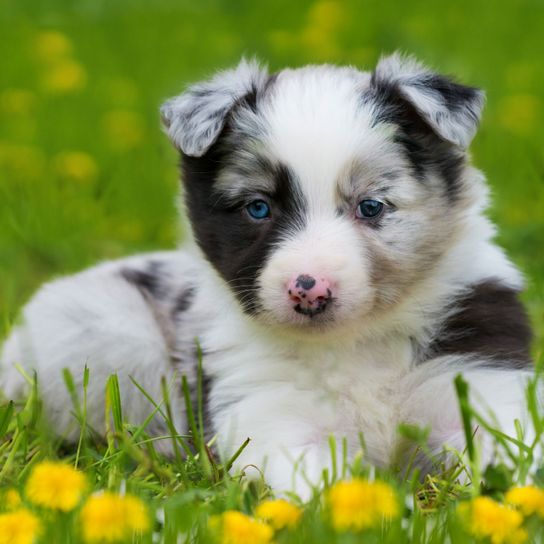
(194, 119)
(451, 110)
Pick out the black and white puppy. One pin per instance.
(341, 273)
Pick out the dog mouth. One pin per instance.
(312, 311)
(300, 318)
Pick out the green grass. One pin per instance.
(71, 194)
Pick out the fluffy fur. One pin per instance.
(419, 293)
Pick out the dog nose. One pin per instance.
(310, 295)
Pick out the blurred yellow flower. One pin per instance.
(326, 15)
(360, 504)
(17, 101)
(55, 485)
(65, 76)
(11, 499)
(123, 129)
(488, 519)
(75, 166)
(529, 499)
(108, 517)
(519, 113)
(52, 45)
(319, 35)
(20, 161)
(233, 527)
(19, 527)
(279, 513)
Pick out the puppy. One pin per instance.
(341, 272)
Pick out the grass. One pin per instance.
(85, 174)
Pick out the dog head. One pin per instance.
(324, 194)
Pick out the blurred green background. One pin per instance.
(86, 174)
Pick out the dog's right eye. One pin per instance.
(258, 209)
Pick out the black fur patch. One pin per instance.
(183, 301)
(424, 148)
(489, 321)
(236, 245)
(147, 280)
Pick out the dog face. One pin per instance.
(323, 195)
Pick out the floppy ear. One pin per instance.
(194, 119)
(451, 110)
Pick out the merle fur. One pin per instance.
(424, 148)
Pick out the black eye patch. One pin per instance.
(235, 245)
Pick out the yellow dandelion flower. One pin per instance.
(279, 513)
(360, 504)
(75, 166)
(486, 518)
(327, 15)
(52, 45)
(108, 517)
(234, 527)
(519, 112)
(17, 101)
(11, 499)
(55, 485)
(19, 527)
(529, 499)
(19, 161)
(65, 76)
(123, 129)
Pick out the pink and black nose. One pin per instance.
(310, 296)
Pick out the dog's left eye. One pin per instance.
(258, 209)
(369, 208)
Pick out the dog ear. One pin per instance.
(451, 110)
(194, 119)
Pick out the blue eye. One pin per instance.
(258, 209)
(368, 209)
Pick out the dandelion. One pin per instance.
(123, 129)
(529, 499)
(325, 20)
(65, 76)
(519, 112)
(108, 517)
(236, 528)
(17, 101)
(55, 485)
(360, 504)
(52, 45)
(279, 514)
(11, 499)
(18, 161)
(19, 527)
(75, 166)
(488, 519)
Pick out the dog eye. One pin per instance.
(369, 209)
(258, 209)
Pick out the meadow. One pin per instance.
(86, 174)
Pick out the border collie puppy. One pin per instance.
(341, 274)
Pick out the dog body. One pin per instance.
(342, 272)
